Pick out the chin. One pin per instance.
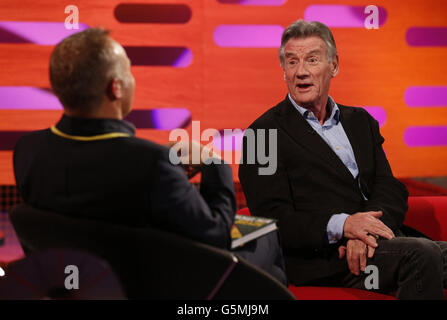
(304, 102)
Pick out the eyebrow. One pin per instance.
(292, 54)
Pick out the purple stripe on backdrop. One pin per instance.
(51, 33)
(161, 119)
(254, 2)
(31, 98)
(248, 36)
(378, 113)
(152, 13)
(179, 57)
(342, 16)
(428, 136)
(8, 139)
(28, 98)
(426, 36)
(42, 33)
(426, 96)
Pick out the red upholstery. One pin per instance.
(244, 211)
(328, 293)
(427, 214)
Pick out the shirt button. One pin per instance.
(338, 148)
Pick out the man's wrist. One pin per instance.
(335, 227)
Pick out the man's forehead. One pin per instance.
(306, 45)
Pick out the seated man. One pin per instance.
(90, 165)
(338, 204)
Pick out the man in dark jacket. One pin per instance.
(90, 164)
(340, 209)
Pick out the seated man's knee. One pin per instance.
(425, 249)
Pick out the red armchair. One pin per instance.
(427, 214)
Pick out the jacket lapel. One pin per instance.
(355, 131)
(302, 133)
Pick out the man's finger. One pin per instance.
(370, 252)
(387, 234)
(369, 241)
(380, 229)
(353, 261)
(363, 260)
(341, 251)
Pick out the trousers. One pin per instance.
(413, 268)
(265, 252)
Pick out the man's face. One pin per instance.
(307, 70)
(128, 81)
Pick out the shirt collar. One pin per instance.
(335, 111)
(93, 126)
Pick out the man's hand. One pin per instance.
(356, 251)
(362, 224)
(192, 155)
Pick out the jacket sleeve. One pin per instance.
(271, 196)
(178, 206)
(386, 193)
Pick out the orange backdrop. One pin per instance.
(230, 87)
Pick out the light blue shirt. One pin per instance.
(335, 136)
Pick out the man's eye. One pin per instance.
(313, 60)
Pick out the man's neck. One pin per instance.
(103, 112)
(320, 110)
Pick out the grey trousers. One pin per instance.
(266, 253)
(414, 268)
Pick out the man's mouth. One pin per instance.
(304, 85)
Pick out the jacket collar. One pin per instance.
(92, 126)
(292, 122)
(333, 112)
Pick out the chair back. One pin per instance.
(60, 274)
(150, 263)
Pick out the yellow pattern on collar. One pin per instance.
(104, 136)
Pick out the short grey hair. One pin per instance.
(81, 67)
(305, 29)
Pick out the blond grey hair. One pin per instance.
(305, 29)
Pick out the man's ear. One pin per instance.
(115, 89)
(334, 66)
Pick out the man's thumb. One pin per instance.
(376, 214)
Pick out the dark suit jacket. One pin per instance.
(124, 180)
(312, 183)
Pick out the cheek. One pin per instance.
(289, 79)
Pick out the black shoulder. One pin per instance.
(142, 148)
(355, 112)
(33, 138)
(268, 118)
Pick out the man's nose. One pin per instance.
(302, 71)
